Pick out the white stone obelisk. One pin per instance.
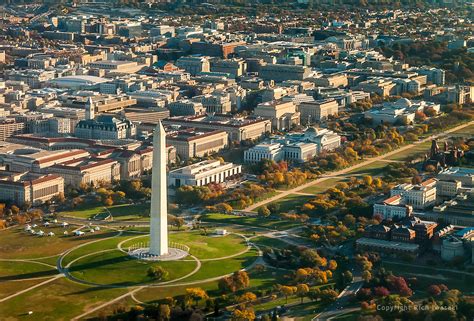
(159, 195)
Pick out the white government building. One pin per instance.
(294, 147)
(203, 173)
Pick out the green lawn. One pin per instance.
(24, 270)
(159, 293)
(100, 244)
(203, 246)
(57, 301)
(17, 244)
(292, 201)
(323, 186)
(263, 241)
(210, 269)
(372, 169)
(469, 130)
(117, 268)
(8, 288)
(250, 221)
(119, 212)
(417, 150)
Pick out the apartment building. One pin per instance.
(10, 127)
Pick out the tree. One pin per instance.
(237, 281)
(366, 276)
(165, 312)
(108, 201)
(311, 257)
(195, 295)
(347, 276)
(243, 314)
(247, 297)
(302, 290)
(368, 180)
(15, 209)
(434, 290)
(349, 220)
(157, 273)
(263, 211)
(287, 291)
(399, 285)
(224, 208)
(328, 295)
(332, 265)
(381, 291)
(59, 198)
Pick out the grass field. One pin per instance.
(59, 300)
(119, 212)
(290, 202)
(100, 244)
(469, 130)
(417, 150)
(323, 186)
(17, 244)
(372, 169)
(117, 268)
(24, 270)
(263, 241)
(11, 287)
(203, 246)
(250, 221)
(211, 269)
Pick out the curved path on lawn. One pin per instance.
(175, 282)
(346, 170)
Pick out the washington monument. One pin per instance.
(159, 195)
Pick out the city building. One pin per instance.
(26, 187)
(10, 127)
(403, 111)
(283, 115)
(280, 72)
(317, 111)
(87, 171)
(215, 103)
(105, 127)
(272, 151)
(186, 107)
(191, 143)
(420, 196)
(203, 173)
(194, 65)
(239, 128)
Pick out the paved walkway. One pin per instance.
(347, 170)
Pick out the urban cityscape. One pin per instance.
(237, 160)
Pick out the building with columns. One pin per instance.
(27, 187)
(203, 173)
